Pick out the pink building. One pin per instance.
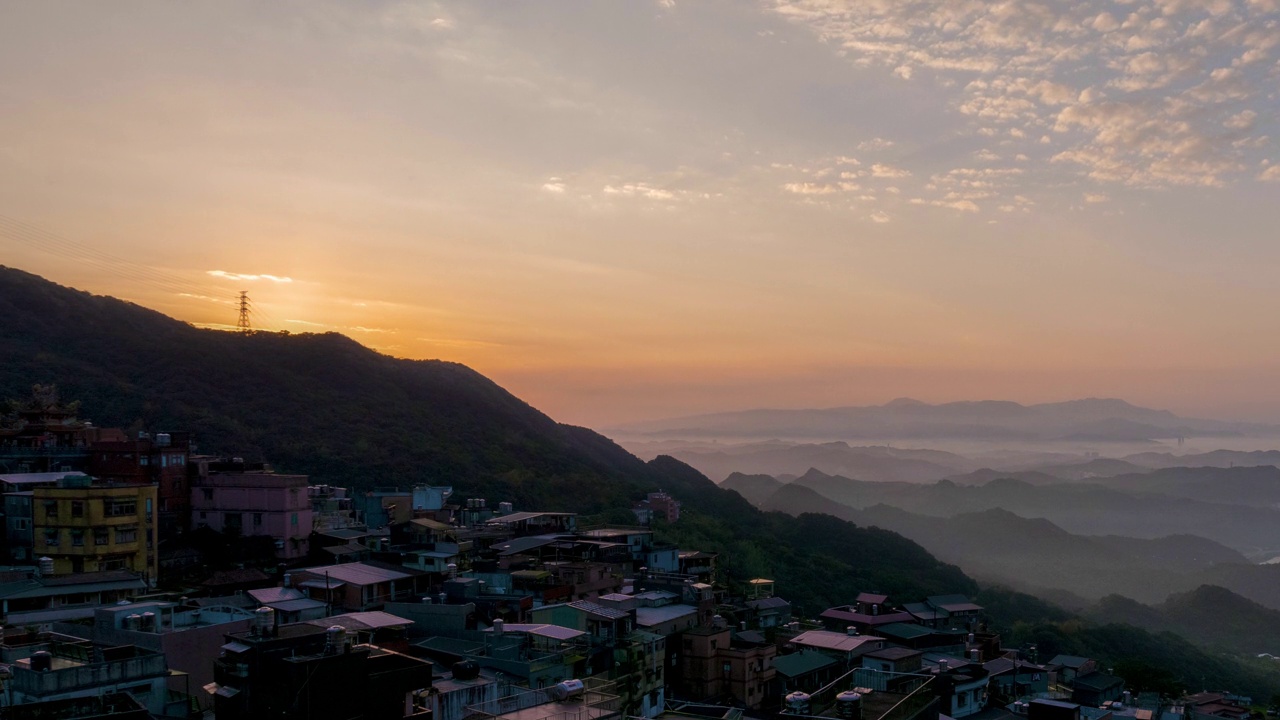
(255, 502)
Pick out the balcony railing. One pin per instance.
(31, 682)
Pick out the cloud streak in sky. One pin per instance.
(248, 278)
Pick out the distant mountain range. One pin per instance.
(1071, 543)
(1210, 615)
(882, 463)
(1090, 420)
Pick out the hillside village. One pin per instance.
(148, 580)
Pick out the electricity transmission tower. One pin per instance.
(242, 325)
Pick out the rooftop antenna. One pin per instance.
(242, 325)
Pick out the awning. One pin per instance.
(236, 647)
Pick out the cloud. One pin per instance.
(1271, 174)
(206, 298)
(888, 171)
(1096, 198)
(1152, 93)
(639, 190)
(810, 188)
(248, 278)
(879, 217)
(554, 187)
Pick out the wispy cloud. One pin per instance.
(242, 277)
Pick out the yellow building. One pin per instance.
(85, 525)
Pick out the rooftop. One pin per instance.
(797, 664)
(371, 620)
(827, 640)
(522, 516)
(598, 610)
(554, 632)
(650, 616)
(356, 573)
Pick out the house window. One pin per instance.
(208, 494)
(77, 508)
(127, 534)
(51, 509)
(232, 521)
(22, 524)
(77, 537)
(120, 508)
(726, 669)
(257, 519)
(293, 519)
(101, 536)
(962, 699)
(51, 538)
(144, 460)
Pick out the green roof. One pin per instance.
(905, 631)
(798, 664)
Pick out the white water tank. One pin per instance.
(566, 689)
(849, 705)
(798, 703)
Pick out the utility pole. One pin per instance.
(242, 325)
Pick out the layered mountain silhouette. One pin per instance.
(1092, 419)
(978, 529)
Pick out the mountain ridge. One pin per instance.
(1093, 419)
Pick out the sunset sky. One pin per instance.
(631, 210)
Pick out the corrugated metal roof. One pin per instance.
(370, 620)
(356, 573)
(555, 632)
(591, 608)
(521, 516)
(524, 544)
(828, 640)
(275, 594)
(35, 589)
(650, 616)
(36, 478)
(797, 664)
(904, 631)
(768, 603)
(329, 584)
(295, 605)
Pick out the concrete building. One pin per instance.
(358, 586)
(714, 665)
(243, 500)
(38, 598)
(308, 672)
(51, 667)
(190, 637)
(85, 526)
(160, 460)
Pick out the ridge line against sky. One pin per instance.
(662, 208)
